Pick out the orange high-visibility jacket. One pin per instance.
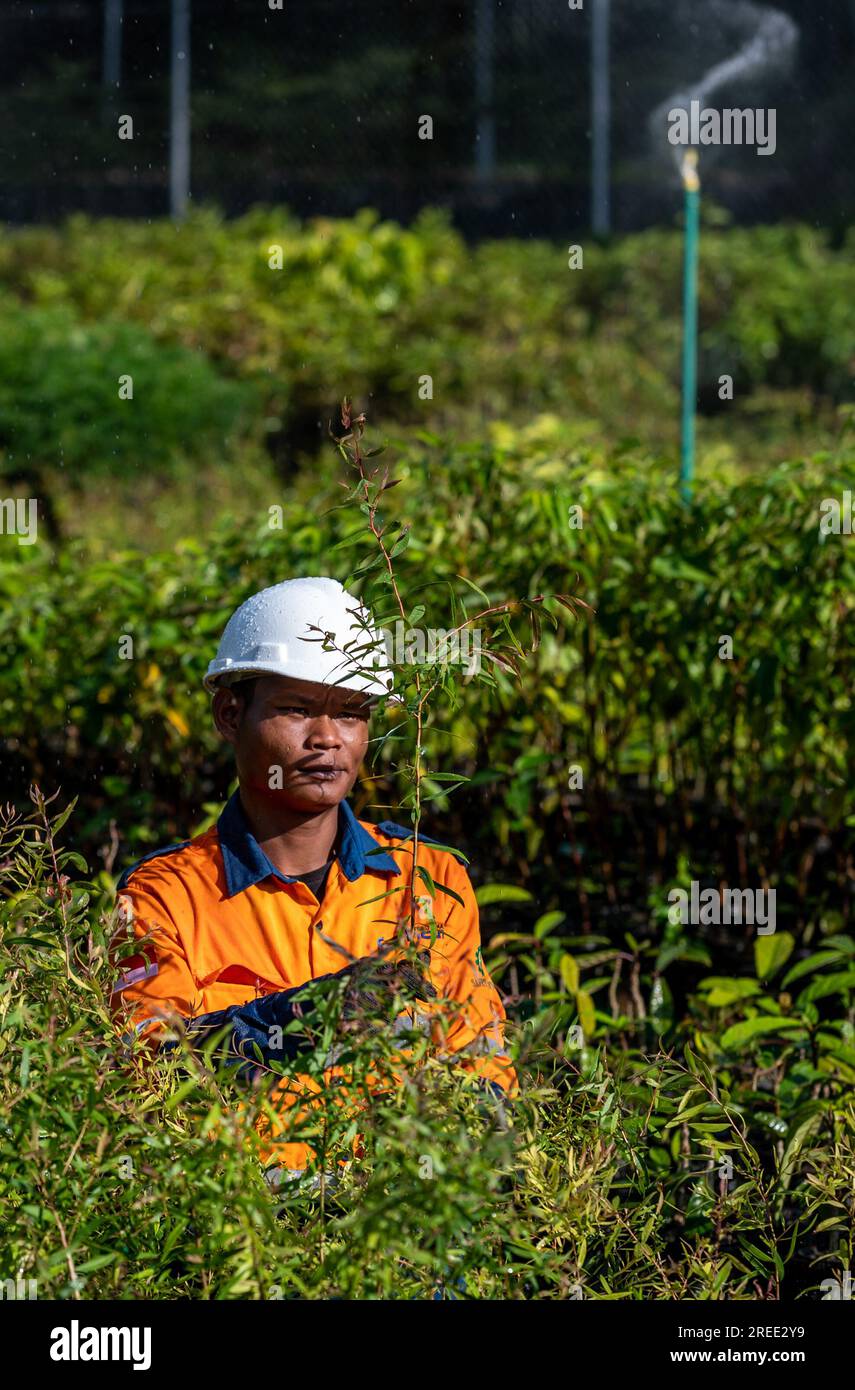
(227, 928)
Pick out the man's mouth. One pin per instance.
(322, 774)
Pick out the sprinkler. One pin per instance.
(691, 203)
(766, 39)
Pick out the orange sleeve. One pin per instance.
(476, 1029)
(155, 982)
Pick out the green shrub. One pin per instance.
(504, 328)
(642, 695)
(60, 381)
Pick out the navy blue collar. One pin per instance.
(246, 863)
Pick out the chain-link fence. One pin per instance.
(484, 106)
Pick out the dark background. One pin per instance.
(317, 106)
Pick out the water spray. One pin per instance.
(767, 40)
(691, 205)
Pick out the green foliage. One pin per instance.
(637, 695)
(680, 1168)
(60, 401)
(772, 305)
(503, 328)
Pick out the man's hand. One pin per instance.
(373, 982)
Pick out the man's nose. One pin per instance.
(324, 729)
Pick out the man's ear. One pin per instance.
(227, 708)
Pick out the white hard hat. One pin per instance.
(270, 634)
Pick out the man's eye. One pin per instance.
(301, 709)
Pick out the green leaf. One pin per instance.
(449, 892)
(185, 1089)
(426, 877)
(587, 1014)
(687, 1114)
(57, 822)
(761, 1255)
(772, 952)
(813, 962)
(673, 567)
(765, 1027)
(407, 848)
(838, 982)
(796, 1143)
(501, 893)
(543, 926)
(97, 1262)
(661, 1003)
(478, 591)
(724, 991)
(71, 856)
(400, 545)
(360, 535)
(569, 973)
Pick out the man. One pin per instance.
(284, 890)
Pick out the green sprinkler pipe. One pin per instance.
(692, 187)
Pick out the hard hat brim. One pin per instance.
(228, 673)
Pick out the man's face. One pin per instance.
(298, 741)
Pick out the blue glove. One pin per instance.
(250, 1027)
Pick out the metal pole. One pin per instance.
(600, 119)
(692, 202)
(485, 145)
(112, 65)
(179, 131)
